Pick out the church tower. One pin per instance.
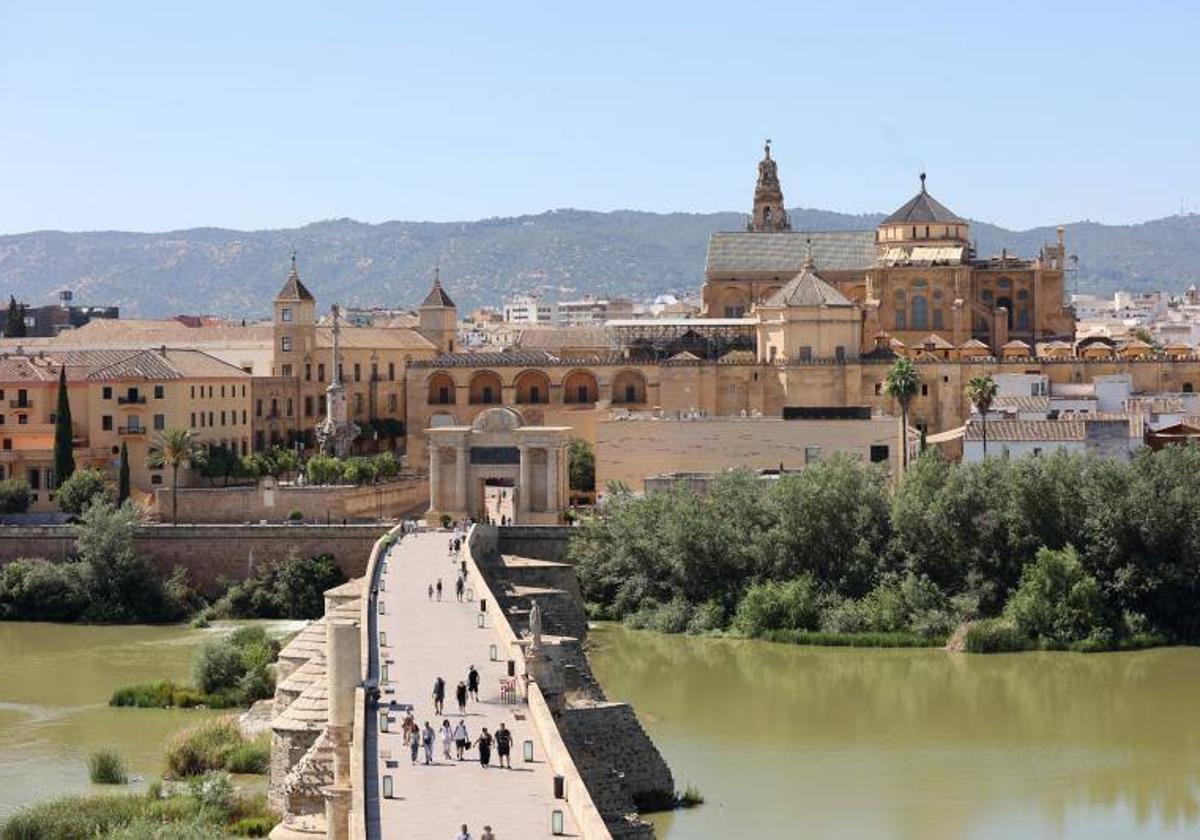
(769, 214)
(295, 323)
(438, 317)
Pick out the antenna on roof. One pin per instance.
(922, 182)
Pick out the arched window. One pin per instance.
(441, 389)
(533, 387)
(920, 312)
(628, 387)
(1003, 283)
(485, 388)
(580, 388)
(1187, 387)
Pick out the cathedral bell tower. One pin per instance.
(769, 214)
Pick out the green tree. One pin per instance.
(175, 448)
(981, 391)
(223, 463)
(123, 475)
(83, 488)
(902, 384)
(1057, 602)
(125, 587)
(15, 496)
(14, 322)
(64, 458)
(582, 469)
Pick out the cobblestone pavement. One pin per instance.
(425, 639)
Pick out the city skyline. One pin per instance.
(175, 118)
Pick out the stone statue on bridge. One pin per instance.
(535, 626)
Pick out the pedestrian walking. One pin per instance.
(447, 739)
(408, 726)
(503, 746)
(431, 592)
(464, 834)
(427, 738)
(460, 694)
(458, 588)
(462, 739)
(439, 589)
(414, 742)
(439, 695)
(487, 833)
(473, 683)
(485, 748)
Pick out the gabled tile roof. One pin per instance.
(167, 364)
(785, 252)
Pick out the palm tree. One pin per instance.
(902, 383)
(175, 448)
(981, 391)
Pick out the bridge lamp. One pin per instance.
(493, 654)
(381, 610)
(556, 823)
(527, 747)
(383, 721)
(383, 638)
(387, 787)
(383, 672)
(479, 620)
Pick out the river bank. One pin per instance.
(55, 684)
(787, 740)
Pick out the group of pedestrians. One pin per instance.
(465, 834)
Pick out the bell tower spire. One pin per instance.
(769, 214)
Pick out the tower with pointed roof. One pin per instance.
(295, 324)
(769, 214)
(438, 316)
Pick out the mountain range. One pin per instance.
(562, 253)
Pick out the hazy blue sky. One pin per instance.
(163, 115)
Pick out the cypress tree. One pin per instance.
(64, 459)
(123, 475)
(14, 323)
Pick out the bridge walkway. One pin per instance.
(425, 639)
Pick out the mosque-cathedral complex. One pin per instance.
(794, 325)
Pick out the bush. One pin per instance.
(216, 744)
(237, 667)
(863, 639)
(790, 605)
(253, 826)
(295, 516)
(15, 496)
(671, 617)
(82, 489)
(995, 635)
(215, 790)
(1057, 602)
(38, 590)
(709, 617)
(167, 695)
(105, 767)
(293, 588)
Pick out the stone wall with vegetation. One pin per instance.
(395, 499)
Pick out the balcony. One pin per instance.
(131, 400)
(131, 431)
(20, 404)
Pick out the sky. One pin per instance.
(164, 115)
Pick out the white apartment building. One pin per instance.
(528, 309)
(593, 312)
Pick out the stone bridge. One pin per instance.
(340, 767)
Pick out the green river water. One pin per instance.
(798, 742)
(783, 741)
(55, 681)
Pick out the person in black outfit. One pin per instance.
(460, 694)
(458, 588)
(473, 683)
(485, 748)
(439, 694)
(503, 745)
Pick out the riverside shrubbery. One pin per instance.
(107, 583)
(293, 588)
(209, 807)
(217, 745)
(1056, 552)
(228, 672)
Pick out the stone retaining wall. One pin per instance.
(543, 542)
(395, 499)
(209, 552)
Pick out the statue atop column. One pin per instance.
(337, 431)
